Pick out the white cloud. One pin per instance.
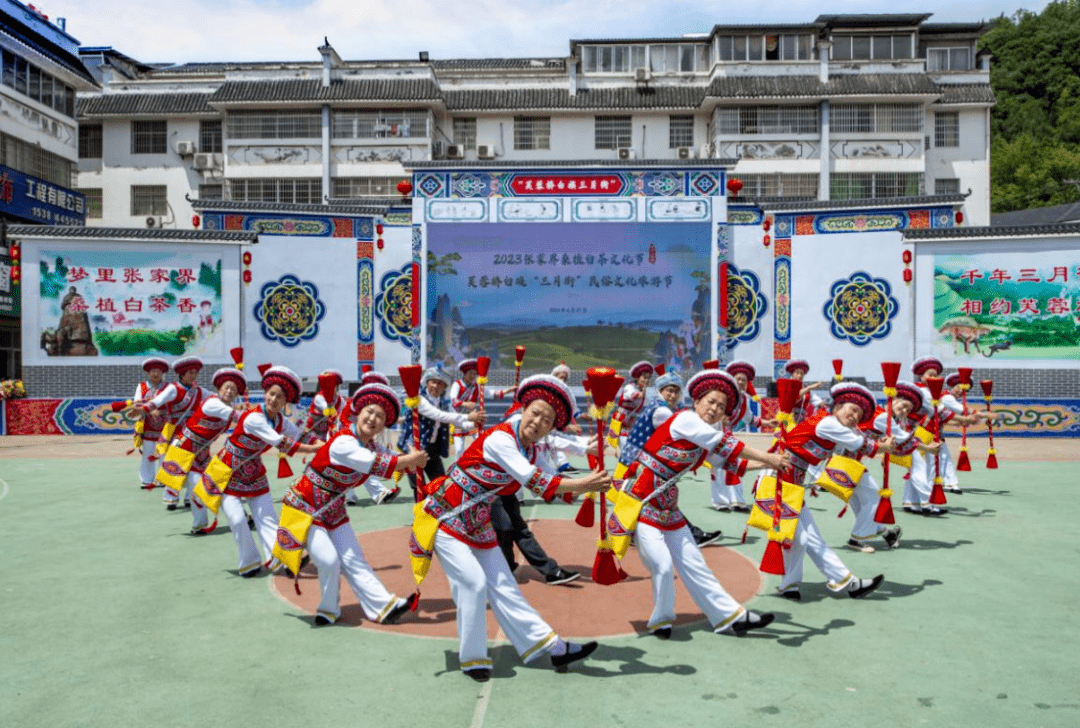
(246, 30)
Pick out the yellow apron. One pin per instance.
(174, 469)
(840, 476)
(292, 534)
(211, 486)
(166, 438)
(791, 497)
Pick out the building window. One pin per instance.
(212, 192)
(149, 200)
(354, 187)
(384, 124)
(804, 185)
(947, 186)
(302, 124)
(37, 162)
(768, 120)
(947, 129)
(210, 136)
(680, 131)
(532, 132)
(612, 132)
(875, 118)
(465, 132)
(28, 79)
(874, 185)
(871, 47)
(307, 191)
(759, 47)
(149, 137)
(93, 202)
(948, 59)
(90, 141)
(10, 350)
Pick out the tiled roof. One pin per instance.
(965, 93)
(803, 205)
(881, 84)
(1011, 231)
(12, 26)
(1069, 212)
(515, 164)
(301, 90)
(110, 233)
(946, 28)
(156, 104)
(875, 20)
(656, 97)
(473, 64)
(286, 207)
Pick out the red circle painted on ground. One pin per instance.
(576, 610)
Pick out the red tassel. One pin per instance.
(211, 527)
(586, 515)
(605, 570)
(745, 529)
(884, 512)
(283, 469)
(130, 451)
(937, 495)
(296, 582)
(991, 461)
(414, 601)
(773, 560)
(963, 463)
(842, 511)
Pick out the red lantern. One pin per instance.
(379, 242)
(16, 274)
(404, 187)
(14, 252)
(734, 185)
(907, 275)
(652, 254)
(766, 240)
(767, 224)
(247, 257)
(907, 257)
(379, 229)
(195, 221)
(959, 217)
(247, 276)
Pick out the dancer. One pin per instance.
(630, 402)
(340, 465)
(952, 413)
(454, 523)
(380, 493)
(465, 398)
(808, 402)
(319, 424)
(663, 537)
(809, 443)
(727, 494)
(149, 425)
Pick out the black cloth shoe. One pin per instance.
(741, 508)
(481, 674)
(663, 633)
(751, 621)
(913, 509)
(198, 532)
(861, 587)
(251, 523)
(400, 610)
(171, 507)
(389, 497)
(560, 662)
(321, 621)
(562, 576)
(934, 511)
(892, 537)
(253, 572)
(792, 593)
(706, 538)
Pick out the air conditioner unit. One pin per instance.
(686, 152)
(455, 151)
(485, 151)
(185, 149)
(153, 221)
(626, 153)
(642, 74)
(205, 160)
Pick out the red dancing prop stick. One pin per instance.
(890, 370)
(586, 515)
(410, 382)
(963, 463)
(838, 369)
(935, 385)
(787, 393)
(483, 363)
(604, 383)
(519, 356)
(988, 394)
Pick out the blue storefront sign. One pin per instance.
(35, 200)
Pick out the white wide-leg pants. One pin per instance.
(148, 468)
(917, 487)
(724, 494)
(809, 541)
(663, 553)
(481, 577)
(863, 504)
(266, 523)
(336, 552)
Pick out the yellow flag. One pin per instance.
(840, 476)
(292, 534)
(761, 515)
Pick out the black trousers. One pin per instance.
(511, 528)
(433, 469)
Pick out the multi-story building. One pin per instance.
(844, 107)
(40, 74)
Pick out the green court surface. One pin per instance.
(114, 616)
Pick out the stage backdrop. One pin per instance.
(587, 294)
(119, 303)
(997, 305)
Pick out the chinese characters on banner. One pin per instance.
(1008, 305)
(140, 304)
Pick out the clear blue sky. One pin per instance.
(291, 30)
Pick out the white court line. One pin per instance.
(5, 489)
